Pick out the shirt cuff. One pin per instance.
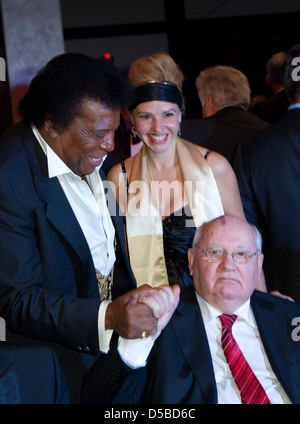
(134, 352)
(103, 335)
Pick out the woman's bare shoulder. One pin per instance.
(218, 163)
(114, 173)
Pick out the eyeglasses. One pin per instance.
(217, 255)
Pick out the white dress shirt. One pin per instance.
(89, 206)
(246, 334)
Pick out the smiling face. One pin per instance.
(157, 123)
(225, 284)
(87, 140)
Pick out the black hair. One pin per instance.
(58, 90)
(291, 73)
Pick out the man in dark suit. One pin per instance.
(224, 93)
(273, 108)
(31, 374)
(63, 255)
(187, 363)
(268, 174)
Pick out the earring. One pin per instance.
(133, 132)
(179, 129)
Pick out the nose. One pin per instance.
(227, 263)
(157, 125)
(108, 143)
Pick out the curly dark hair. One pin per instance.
(58, 90)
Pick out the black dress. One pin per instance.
(178, 238)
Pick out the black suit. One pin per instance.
(272, 109)
(180, 369)
(223, 131)
(31, 374)
(48, 287)
(269, 180)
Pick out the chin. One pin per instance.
(230, 291)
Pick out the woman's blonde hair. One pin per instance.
(156, 67)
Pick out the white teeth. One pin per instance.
(158, 137)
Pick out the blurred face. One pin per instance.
(88, 139)
(225, 284)
(157, 123)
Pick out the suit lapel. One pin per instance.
(188, 325)
(274, 339)
(61, 215)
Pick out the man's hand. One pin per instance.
(284, 296)
(163, 302)
(129, 317)
(142, 311)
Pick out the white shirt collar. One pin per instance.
(210, 313)
(56, 166)
(294, 106)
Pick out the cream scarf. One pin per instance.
(143, 220)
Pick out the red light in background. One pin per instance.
(107, 56)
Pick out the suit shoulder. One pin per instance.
(11, 143)
(270, 301)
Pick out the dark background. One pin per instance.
(243, 41)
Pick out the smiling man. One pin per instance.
(65, 277)
(225, 343)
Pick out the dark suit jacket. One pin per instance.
(272, 109)
(269, 180)
(180, 369)
(48, 287)
(223, 131)
(31, 374)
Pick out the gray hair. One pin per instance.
(227, 86)
(274, 66)
(201, 230)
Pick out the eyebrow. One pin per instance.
(219, 246)
(164, 111)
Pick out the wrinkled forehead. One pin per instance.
(229, 232)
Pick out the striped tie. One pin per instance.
(250, 388)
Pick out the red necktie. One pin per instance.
(250, 388)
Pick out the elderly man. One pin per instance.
(224, 92)
(65, 278)
(220, 316)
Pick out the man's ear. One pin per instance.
(211, 108)
(49, 130)
(260, 263)
(191, 259)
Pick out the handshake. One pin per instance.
(142, 312)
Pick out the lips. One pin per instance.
(158, 139)
(95, 161)
(228, 280)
